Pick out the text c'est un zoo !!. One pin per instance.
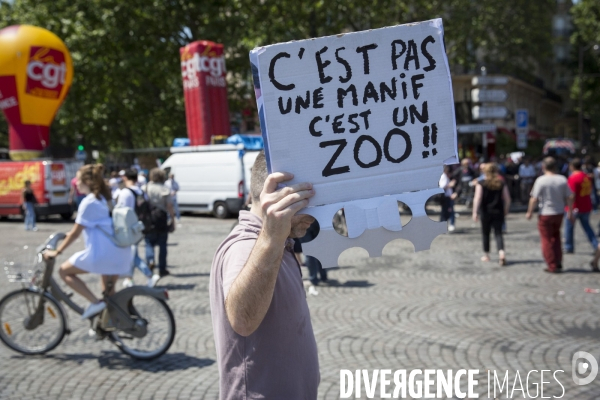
(346, 95)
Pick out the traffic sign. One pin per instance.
(475, 128)
(522, 124)
(480, 112)
(521, 139)
(489, 80)
(80, 155)
(487, 95)
(522, 118)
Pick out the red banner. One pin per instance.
(205, 90)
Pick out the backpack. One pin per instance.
(153, 218)
(128, 229)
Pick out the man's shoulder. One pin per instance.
(134, 189)
(157, 188)
(556, 179)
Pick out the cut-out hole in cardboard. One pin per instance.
(405, 213)
(311, 232)
(339, 223)
(433, 207)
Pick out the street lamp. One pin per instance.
(582, 49)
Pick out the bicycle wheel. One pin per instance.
(159, 324)
(16, 310)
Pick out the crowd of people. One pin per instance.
(560, 189)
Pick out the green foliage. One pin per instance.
(127, 90)
(586, 19)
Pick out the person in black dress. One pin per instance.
(492, 202)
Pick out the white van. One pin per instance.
(212, 178)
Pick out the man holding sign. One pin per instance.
(264, 338)
(367, 118)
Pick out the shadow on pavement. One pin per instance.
(190, 275)
(586, 331)
(356, 283)
(167, 362)
(115, 360)
(174, 286)
(578, 271)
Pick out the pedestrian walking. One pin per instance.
(141, 178)
(264, 338)
(464, 176)
(551, 192)
(512, 177)
(101, 255)
(527, 174)
(113, 183)
(448, 184)
(316, 273)
(159, 197)
(581, 185)
(173, 186)
(589, 170)
(28, 201)
(127, 198)
(75, 196)
(492, 202)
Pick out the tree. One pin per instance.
(586, 20)
(127, 88)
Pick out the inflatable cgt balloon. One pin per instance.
(35, 76)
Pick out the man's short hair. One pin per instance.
(258, 176)
(131, 175)
(157, 175)
(549, 164)
(576, 163)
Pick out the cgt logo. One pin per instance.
(584, 363)
(192, 65)
(46, 72)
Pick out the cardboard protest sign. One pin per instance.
(365, 117)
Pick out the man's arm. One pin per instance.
(533, 202)
(71, 194)
(250, 294)
(506, 199)
(170, 209)
(570, 199)
(477, 201)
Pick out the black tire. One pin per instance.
(120, 338)
(52, 312)
(220, 210)
(66, 216)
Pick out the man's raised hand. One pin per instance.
(280, 205)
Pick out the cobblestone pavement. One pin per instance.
(438, 309)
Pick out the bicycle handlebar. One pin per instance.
(52, 242)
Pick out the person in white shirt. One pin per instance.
(527, 174)
(127, 198)
(141, 179)
(173, 186)
(113, 182)
(448, 184)
(101, 255)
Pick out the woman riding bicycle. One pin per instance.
(101, 255)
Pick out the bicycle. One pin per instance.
(33, 320)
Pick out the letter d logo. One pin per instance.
(582, 362)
